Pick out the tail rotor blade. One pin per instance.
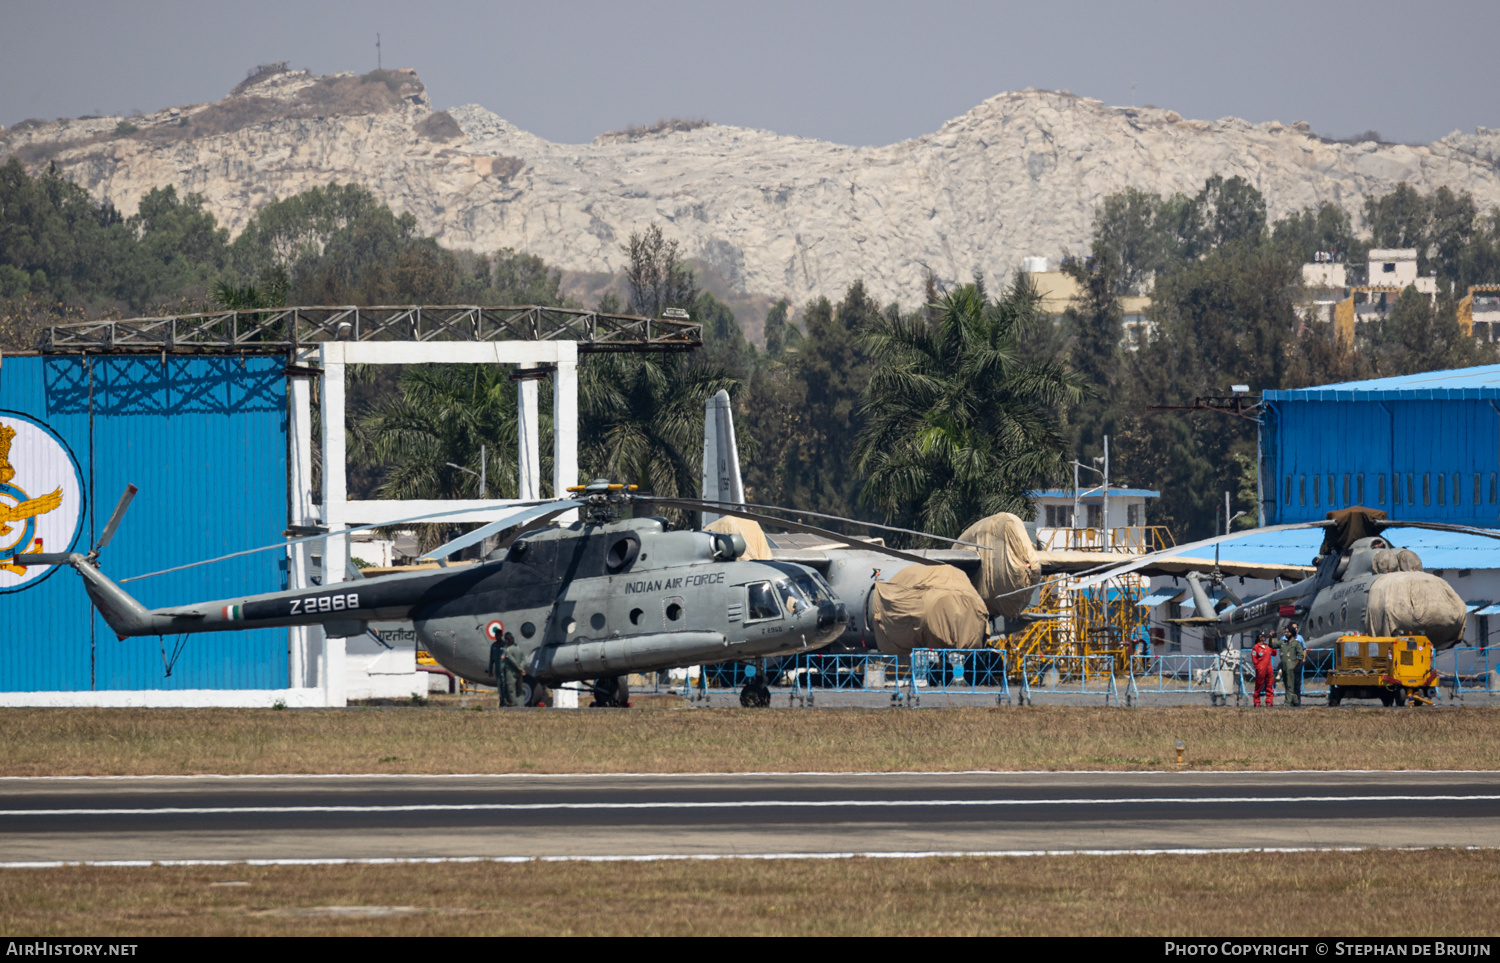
(114, 520)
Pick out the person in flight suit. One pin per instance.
(1260, 658)
(505, 666)
(1293, 650)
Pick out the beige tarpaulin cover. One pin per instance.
(1007, 563)
(927, 607)
(757, 549)
(1415, 603)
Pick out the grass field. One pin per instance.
(1443, 893)
(448, 739)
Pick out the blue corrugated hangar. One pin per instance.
(205, 441)
(1424, 447)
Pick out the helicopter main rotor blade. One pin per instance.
(539, 513)
(720, 506)
(1440, 527)
(285, 543)
(116, 518)
(693, 504)
(1141, 561)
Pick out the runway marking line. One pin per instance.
(732, 804)
(810, 772)
(707, 857)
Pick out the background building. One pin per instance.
(1424, 446)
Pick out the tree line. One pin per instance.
(926, 417)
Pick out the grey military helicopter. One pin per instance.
(1362, 583)
(591, 601)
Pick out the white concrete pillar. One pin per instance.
(565, 423)
(528, 439)
(304, 643)
(335, 510)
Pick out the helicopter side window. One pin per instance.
(1301, 489)
(1288, 499)
(761, 602)
(1478, 494)
(1457, 486)
(1426, 488)
(1382, 489)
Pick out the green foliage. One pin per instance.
(71, 249)
(1419, 336)
(780, 334)
(442, 414)
(642, 418)
(805, 409)
(656, 275)
(125, 128)
(522, 279)
(1302, 234)
(958, 426)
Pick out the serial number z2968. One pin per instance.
(325, 603)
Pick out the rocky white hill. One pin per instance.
(1020, 174)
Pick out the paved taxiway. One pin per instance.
(281, 817)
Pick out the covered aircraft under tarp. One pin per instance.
(927, 607)
(1007, 563)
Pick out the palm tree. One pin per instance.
(444, 414)
(643, 418)
(958, 425)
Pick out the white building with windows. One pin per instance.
(1060, 513)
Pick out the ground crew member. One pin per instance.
(505, 666)
(1292, 650)
(1260, 658)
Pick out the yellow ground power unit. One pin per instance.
(1394, 670)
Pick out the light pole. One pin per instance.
(480, 474)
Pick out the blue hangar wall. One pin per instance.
(204, 439)
(1423, 447)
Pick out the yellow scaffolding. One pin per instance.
(1070, 622)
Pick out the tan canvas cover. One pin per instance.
(927, 607)
(757, 549)
(1007, 562)
(1415, 603)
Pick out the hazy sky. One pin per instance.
(857, 73)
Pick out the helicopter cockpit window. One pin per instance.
(760, 602)
(815, 588)
(793, 596)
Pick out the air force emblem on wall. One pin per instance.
(41, 498)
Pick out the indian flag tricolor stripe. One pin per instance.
(234, 613)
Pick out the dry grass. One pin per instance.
(448, 739)
(1444, 893)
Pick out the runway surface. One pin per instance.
(379, 816)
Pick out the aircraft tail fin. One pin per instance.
(124, 614)
(721, 455)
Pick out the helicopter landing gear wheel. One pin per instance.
(612, 692)
(755, 695)
(1335, 695)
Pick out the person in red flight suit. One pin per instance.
(1260, 658)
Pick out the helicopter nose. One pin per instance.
(832, 617)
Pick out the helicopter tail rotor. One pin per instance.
(117, 516)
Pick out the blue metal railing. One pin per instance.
(987, 672)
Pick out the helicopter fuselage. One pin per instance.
(582, 601)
